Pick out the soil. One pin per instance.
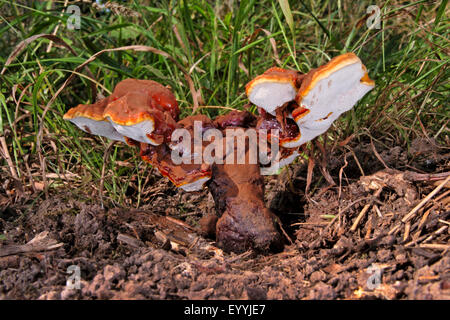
(160, 251)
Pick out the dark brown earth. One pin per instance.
(157, 251)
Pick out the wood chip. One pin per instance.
(163, 240)
(131, 241)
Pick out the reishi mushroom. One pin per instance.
(273, 88)
(323, 95)
(327, 92)
(143, 110)
(140, 110)
(189, 177)
(298, 106)
(89, 118)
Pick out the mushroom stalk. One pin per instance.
(245, 222)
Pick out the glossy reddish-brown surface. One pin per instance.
(288, 129)
(141, 97)
(238, 190)
(160, 157)
(235, 118)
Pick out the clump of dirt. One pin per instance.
(350, 240)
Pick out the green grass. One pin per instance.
(222, 48)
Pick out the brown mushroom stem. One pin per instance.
(244, 223)
(238, 192)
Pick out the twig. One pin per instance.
(436, 246)
(414, 176)
(377, 210)
(323, 162)
(446, 193)
(163, 240)
(179, 222)
(341, 171)
(424, 219)
(360, 216)
(134, 230)
(415, 241)
(425, 200)
(369, 229)
(309, 174)
(319, 224)
(342, 211)
(39, 243)
(239, 257)
(407, 230)
(356, 160)
(283, 231)
(377, 155)
(436, 233)
(364, 210)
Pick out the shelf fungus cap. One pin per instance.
(160, 97)
(143, 110)
(189, 177)
(273, 88)
(326, 93)
(89, 118)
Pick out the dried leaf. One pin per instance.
(284, 4)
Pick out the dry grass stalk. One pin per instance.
(425, 200)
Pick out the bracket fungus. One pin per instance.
(273, 88)
(90, 119)
(327, 92)
(294, 107)
(189, 177)
(141, 110)
(323, 95)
